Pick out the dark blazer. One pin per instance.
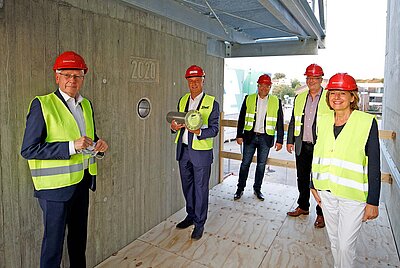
(297, 141)
(201, 158)
(248, 135)
(35, 147)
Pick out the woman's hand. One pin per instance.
(316, 196)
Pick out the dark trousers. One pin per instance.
(303, 166)
(56, 216)
(195, 182)
(258, 142)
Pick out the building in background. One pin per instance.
(371, 96)
(237, 84)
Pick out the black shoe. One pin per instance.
(197, 233)
(184, 224)
(259, 195)
(238, 194)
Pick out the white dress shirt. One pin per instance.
(76, 110)
(193, 104)
(260, 114)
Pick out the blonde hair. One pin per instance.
(353, 105)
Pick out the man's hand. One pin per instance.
(289, 148)
(370, 212)
(239, 141)
(82, 143)
(278, 146)
(175, 126)
(197, 131)
(101, 146)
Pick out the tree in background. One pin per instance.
(281, 90)
(278, 76)
(295, 83)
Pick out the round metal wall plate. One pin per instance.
(143, 108)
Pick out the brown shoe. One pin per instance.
(319, 222)
(297, 212)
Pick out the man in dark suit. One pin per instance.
(302, 136)
(194, 150)
(261, 114)
(60, 143)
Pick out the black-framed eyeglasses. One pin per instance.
(74, 76)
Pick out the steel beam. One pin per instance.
(283, 48)
(180, 13)
(282, 14)
(305, 16)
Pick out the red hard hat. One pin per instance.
(314, 70)
(264, 79)
(342, 81)
(70, 60)
(194, 71)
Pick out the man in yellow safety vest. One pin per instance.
(194, 150)
(261, 114)
(301, 137)
(61, 146)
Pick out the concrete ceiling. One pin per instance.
(249, 28)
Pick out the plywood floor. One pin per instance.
(250, 233)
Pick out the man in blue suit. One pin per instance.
(194, 150)
(60, 143)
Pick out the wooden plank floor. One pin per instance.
(250, 233)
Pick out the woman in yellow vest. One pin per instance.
(346, 168)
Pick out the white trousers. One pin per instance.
(343, 219)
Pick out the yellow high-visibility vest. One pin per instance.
(61, 126)
(340, 165)
(271, 117)
(298, 111)
(205, 109)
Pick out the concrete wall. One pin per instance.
(131, 55)
(391, 115)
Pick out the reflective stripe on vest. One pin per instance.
(299, 105)
(271, 117)
(205, 109)
(59, 170)
(62, 127)
(340, 165)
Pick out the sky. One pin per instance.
(355, 43)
